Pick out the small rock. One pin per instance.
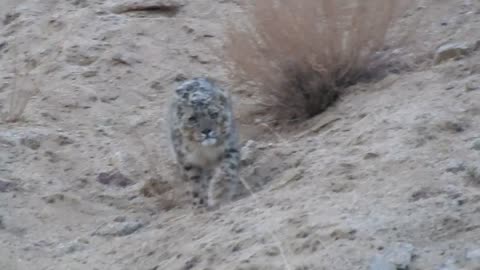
(473, 256)
(10, 17)
(476, 145)
(343, 234)
(128, 163)
(119, 229)
(50, 199)
(79, 3)
(370, 156)
(2, 224)
(476, 47)
(272, 251)
(450, 51)
(80, 56)
(157, 85)
(115, 179)
(63, 140)
(191, 263)
(89, 73)
(93, 98)
(3, 44)
(199, 58)
(109, 98)
(454, 126)
(450, 86)
(248, 153)
(7, 186)
(120, 219)
(31, 142)
(472, 86)
(398, 254)
(74, 246)
(180, 77)
(456, 166)
(7, 140)
(451, 264)
(381, 263)
(125, 59)
(52, 157)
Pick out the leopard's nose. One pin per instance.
(206, 131)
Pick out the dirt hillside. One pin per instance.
(390, 174)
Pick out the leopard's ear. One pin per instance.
(187, 87)
(182, 92)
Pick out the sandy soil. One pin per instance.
(87, 182)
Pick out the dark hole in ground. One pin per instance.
(163, 10)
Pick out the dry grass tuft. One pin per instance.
(23, 90)
(302, 53)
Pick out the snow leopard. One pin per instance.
(205, 142)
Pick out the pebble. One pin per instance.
(119, 229)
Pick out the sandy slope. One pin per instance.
(390, 166)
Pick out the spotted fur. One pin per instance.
(204, 140)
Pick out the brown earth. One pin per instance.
(87, 182)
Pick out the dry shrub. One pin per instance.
(302, 53)
(23, 89)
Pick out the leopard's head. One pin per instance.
(203, 111)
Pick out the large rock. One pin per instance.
(473, 256)
(381, 263)
(456, 166)
(397, 257)
(451, 51)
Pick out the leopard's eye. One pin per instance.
(192, 119)
(214, 114)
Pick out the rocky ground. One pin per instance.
(388, 178)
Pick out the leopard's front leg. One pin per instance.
(224, 183)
